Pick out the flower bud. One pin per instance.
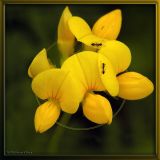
(134, 86)
(46, 116)
(97, 109)
(65, 37)
(109, 25)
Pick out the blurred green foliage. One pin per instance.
(29, 28)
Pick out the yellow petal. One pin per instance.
(89, 64)
(64, 32)
(66, 48)
(134, 86)
(84, 67)
(79, 27)
(109, 25)
(46, 116)
(97, 109)
(46, 84)
(65, 37)
(118, 54)
(108, 75)
(39, 64)
(70, 94)
(93, 41)
(59, 85)
(72, 65)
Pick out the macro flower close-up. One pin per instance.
(88, 85)
(85, 72)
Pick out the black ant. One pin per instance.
(96, 44)
(103, 66)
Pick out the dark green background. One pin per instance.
(29, 28)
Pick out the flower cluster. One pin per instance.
(100, 66)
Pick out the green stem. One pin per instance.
(62, 59)
(57, 135)
(51, 46)
(37, 100)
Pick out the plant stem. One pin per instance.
(58, 134)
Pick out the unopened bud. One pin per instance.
(65, 37)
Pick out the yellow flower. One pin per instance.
(58, 87)
(132, 85)
(81, 74)
(39, 64)
(106, 28)
(65, 37)
(97, 109)
(90, 70)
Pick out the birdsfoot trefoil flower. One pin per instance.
(105, 28)
(83, 73)
(86, 67)
(58, 87)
